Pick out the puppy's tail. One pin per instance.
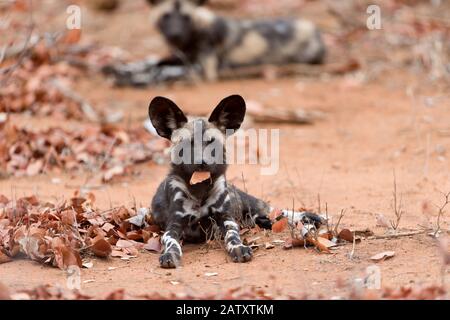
(304, 217)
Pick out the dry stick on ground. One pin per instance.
(397, 235)
(397, 206)
(441, 213)
(297, 116)
(326, 217)
(292, 225)
(243, 182)
(319, 209)
(352, 253)
(339, 221)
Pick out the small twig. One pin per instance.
(326, 217)
(339, 221)
(397, 206)
(397, 235)
(243, 181)
(319, 209)
(352, 253)
(441, 213)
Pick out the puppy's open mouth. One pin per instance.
(199, 177)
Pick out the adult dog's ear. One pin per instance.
(165, 116)
(154, 2)
(229, 113)
(199, 2)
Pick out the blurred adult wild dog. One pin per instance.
(198, 36)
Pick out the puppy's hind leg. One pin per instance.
(251, 207)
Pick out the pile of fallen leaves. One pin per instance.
(34, 87)
(65, 233)
(37, 71)
(107, 149)
(48, 292)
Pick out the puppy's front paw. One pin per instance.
(169, 260)
(241, 253)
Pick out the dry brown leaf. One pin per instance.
(124, 244)
(72, 36)
(280, 225)
(132, 251)
(101, 247)
(199, 176)
(3, 200)
(118, 254)
(35, 167)
(64, 255)
(68, 217)
(118, 294)
(120, 215)
(298, 242)
(382, 256)
(319, 244)
(113, 172)
(326, 234)
(327, 243)
(4, 258)
(134, 235)
(288, 244)
(293, 242)
(108, 227)
(346, 235)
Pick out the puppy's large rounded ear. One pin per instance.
(229, 113)
(165, 116)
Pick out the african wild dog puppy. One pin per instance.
(199, 37)
(192, 211)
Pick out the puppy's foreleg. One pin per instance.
(171, 256)
(235, 248)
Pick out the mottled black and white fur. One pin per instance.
(190, 212)
(200, 37)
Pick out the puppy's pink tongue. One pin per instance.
(200, 176)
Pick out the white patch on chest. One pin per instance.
(192, 207)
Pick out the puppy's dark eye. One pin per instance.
(166, 16)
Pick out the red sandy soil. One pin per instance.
(370, 130)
